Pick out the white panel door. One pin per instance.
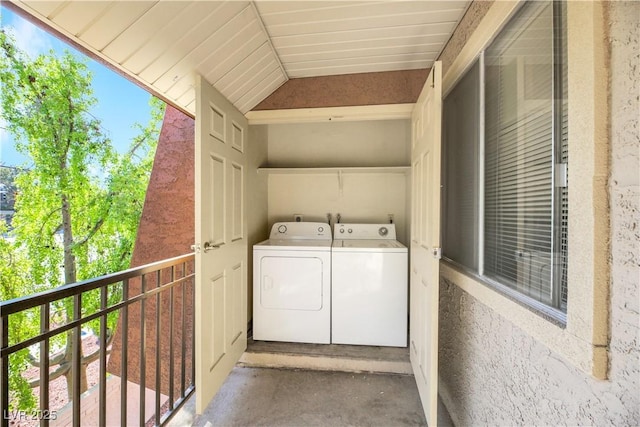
(221, 246)
(425, 242)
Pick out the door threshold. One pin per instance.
(327, 357)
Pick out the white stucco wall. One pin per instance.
(491, 371)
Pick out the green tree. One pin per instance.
(13, 279)
(79, 204)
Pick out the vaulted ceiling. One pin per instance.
(247, 49)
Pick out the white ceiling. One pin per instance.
(248, 49)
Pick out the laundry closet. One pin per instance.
(357, 169)
(327, 173)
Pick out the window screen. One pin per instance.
(460, 133)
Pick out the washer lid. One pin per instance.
(368, 245)
(296, 245)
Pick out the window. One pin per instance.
(505, 162)
(461, 136)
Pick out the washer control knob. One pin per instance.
(383, 231)
(350, 230)
(282, 229)
(320, 229)
(342, 230)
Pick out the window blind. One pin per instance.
(519, 154)
(460, 136)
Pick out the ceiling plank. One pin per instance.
(198, 54)
(231, 17)
(48, 9)
(115, 20)
(78, 18)
(141, 31)
(197, 15)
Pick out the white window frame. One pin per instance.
(583, 340)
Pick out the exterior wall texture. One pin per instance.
(166, 230)
(391, 87)
(469, 22)
(492, 372)
(170, 195)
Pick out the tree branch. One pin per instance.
(62, 369)
(44, 222)
(55, 360)
(96, 354)
(65, 367)
(91, 233)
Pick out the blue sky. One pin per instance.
(120, 102)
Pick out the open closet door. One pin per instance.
(221, 244)
(425, 241)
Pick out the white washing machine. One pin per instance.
(292, 284)
(369, 286)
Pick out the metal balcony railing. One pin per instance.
(154, 338)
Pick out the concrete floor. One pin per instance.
(279, 397)
(287, 384)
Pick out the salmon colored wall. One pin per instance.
(391, 87)
(166, 230)
(167, 225)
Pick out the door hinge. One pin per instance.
(437, 253)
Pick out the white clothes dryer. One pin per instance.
(292, 284)
(369, 286)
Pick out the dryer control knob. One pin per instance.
(282, 229)
(383, 231)
(342, 230)
(350, 230)
(320, 229)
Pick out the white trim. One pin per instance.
(404, 170)
(343, 114)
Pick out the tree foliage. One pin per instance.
(79, 204)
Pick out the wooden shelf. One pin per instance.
(340, 170)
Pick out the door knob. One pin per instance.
(209, 246)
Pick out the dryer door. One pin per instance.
(291, 283)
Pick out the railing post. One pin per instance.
(158, 345)
(4, 370)
(171, 320)
(102, 416)
(193, 331)
(143, 350)
(44, 364)
(124, 353)
(77, 359)
(183, 373)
